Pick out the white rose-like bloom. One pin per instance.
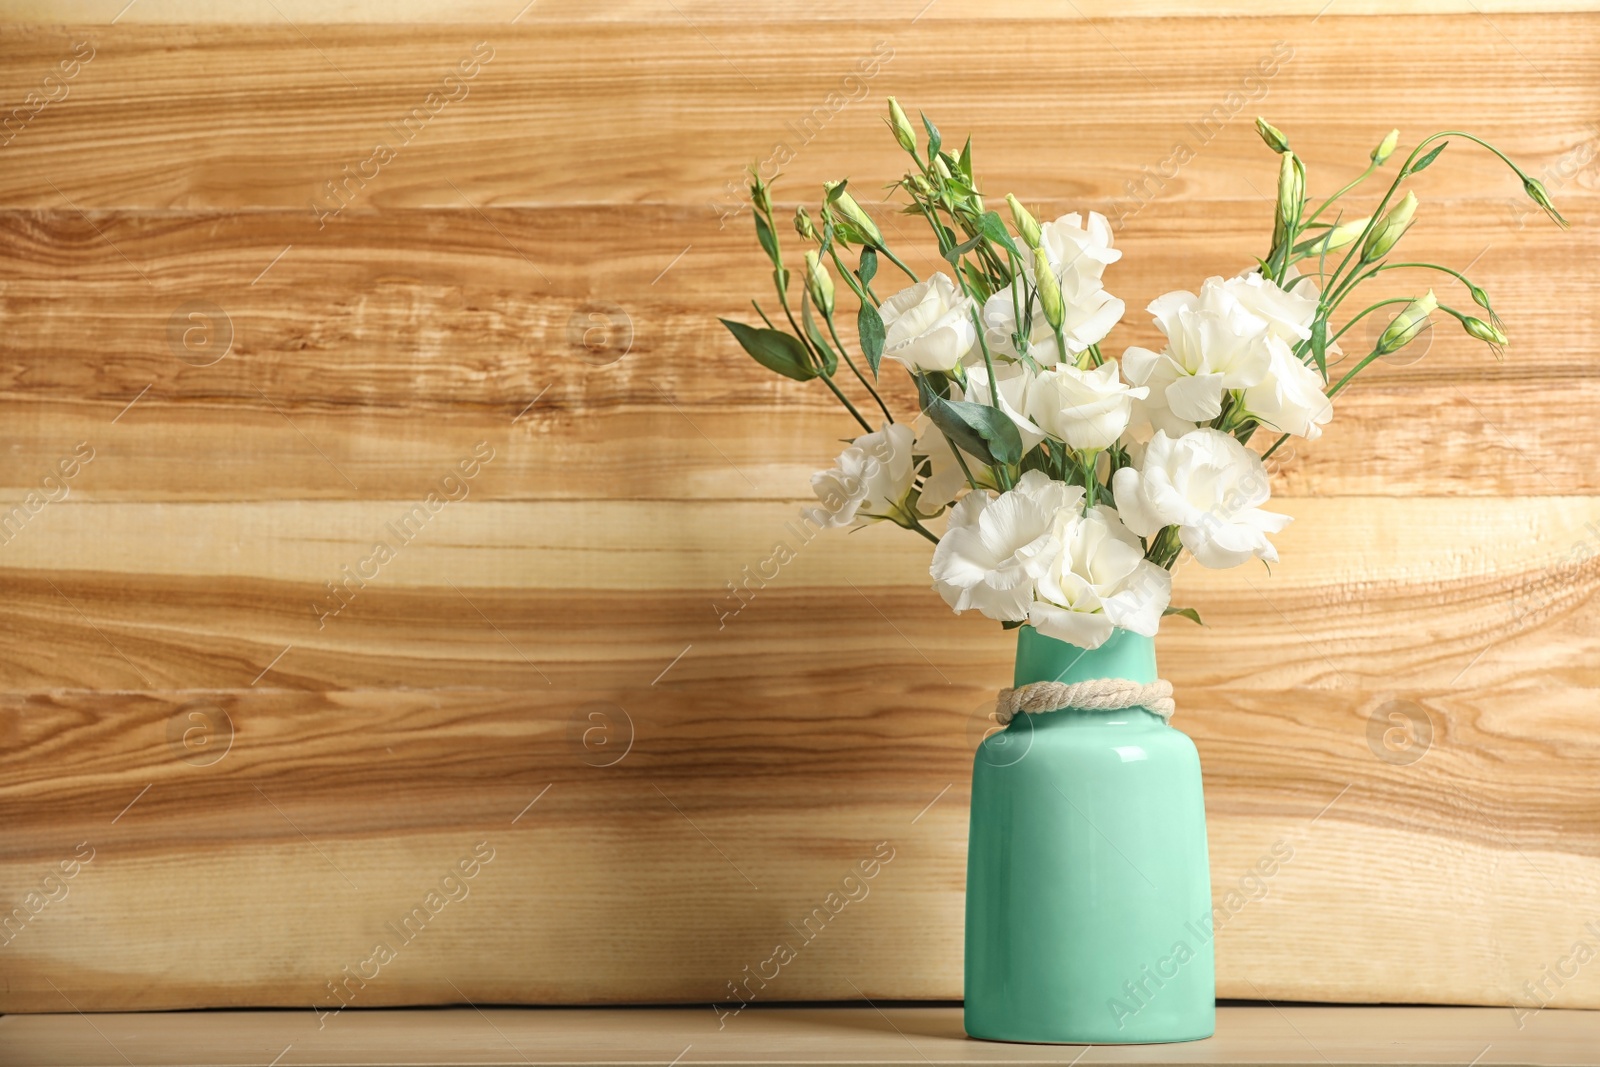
(1086, 409)
(1290, 398)
(1208, 485)
(1214, 343)
(945, 478)
(1077, 256)
(1288, 314)
(869, 481)
(995, 548)
(1099, 581)
(929, 325)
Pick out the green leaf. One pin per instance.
(1319, 345)
(838, 190)
(774, 350)
(1422, 164)
(978, 429)
(934, 140)
(957, 251)
(870, 325)
(1188, 613)
(764, 235)
(830, 359)
(869, 265)
(992, 227)
(975, 278)
(964, 164)
(1007, 625)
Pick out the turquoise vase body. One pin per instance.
(1088, 881)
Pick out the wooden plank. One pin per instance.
(304, 822)
(324, 360)
(244, 12)
(206, 595)
(1246, 1035)
(542, 123)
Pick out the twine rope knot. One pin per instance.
(1099, 694)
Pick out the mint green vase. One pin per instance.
(1088, 882)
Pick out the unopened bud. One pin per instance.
(1291, 189)
(1479, 297)
(1406, 325)
(1539, 195)
(1385, 147)
(758, 193)
(904, 132)
(853, 214)
(1272, 135)
(1049, 290)
(1485, 332)
(819, 282)
(942, 167)
(1387, 233)
(1341, 235)
(1027, 225)
(803, 225)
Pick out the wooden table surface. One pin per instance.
(1256, 1035)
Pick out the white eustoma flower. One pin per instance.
(1099, 581)
(996, 548)
(1016, 383)
(1288, 314)
(870, 480)
(1214, 343)
(1290, 398)
(1077, 255)
(944, 479)
(1209, 486)
(929, 326)
(1086, 409)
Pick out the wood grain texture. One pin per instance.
(895, 1034)
(556, 662)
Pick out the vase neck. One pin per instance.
(1125, 654)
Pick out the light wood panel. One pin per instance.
(864, 1034)
(333, 352)
(1442, 564)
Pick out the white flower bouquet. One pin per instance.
(1071, 483)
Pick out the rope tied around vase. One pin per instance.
(1100, 694)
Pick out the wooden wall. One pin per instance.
(247, 793)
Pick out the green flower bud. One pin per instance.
(1339, 236)
(759, 195)
(1385, 147)
(1406, 325)
(1272, 135)
(1291, 189)
(803, 225)
(904, 132)
(940, 166)
(1484, 332)
(1048, 287)
(1027, 225)
(819, 282)
(1386, 234)
(1539, 195)
(853, 214)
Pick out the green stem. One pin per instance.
(1368, 358)
(1371, 167)
(828, 318)
(1367, 311)
(907, 271)
(846, 402)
